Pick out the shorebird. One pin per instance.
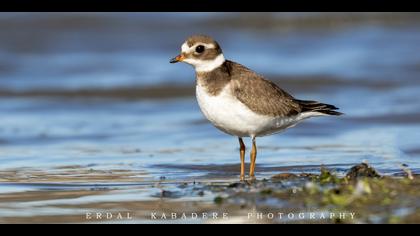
(239, 101)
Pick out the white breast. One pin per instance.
(233, 117)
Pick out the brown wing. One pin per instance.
(260, 95)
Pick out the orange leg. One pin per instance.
(242, 153)
(253, 159)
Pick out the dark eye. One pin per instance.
(199, 49)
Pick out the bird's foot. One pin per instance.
(251, 180)
(248, 180)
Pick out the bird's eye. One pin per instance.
(199, 49)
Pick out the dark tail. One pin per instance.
(315, 106)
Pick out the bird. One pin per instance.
(240, 102)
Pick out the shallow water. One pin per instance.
(89, 123)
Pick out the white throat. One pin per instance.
(206, 65)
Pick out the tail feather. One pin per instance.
(314, 106)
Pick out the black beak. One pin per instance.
(176, 59)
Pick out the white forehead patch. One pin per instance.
(187, 49)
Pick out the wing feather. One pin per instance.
(260, 95)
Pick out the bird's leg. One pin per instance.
(242, 153)
(253, 159)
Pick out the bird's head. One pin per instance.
(202, 52)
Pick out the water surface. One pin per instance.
(94, 118)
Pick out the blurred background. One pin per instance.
(83, 92)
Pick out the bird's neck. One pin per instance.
(214, 81)
(210, 65)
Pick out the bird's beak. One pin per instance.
(177, 59)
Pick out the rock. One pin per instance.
(218, 200)
(284, 176)
(238, 185)
(362, 170)
(169, 194)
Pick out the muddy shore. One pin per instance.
(362, 195)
